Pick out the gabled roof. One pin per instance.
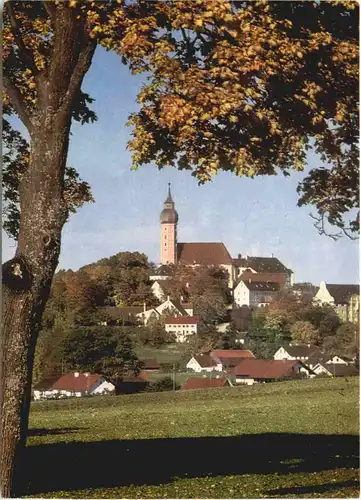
(207, 254)
(47, 383)
(82, 382)
(150, 364)
(262, 286)
(204, 360)
(182, 320)
(342, 293)
(340, 370)
(228, 362)
(262, 264)
(163, 270)
(279, 278)
(267, 368)
(302, 351)
(122, 313)
(232, 353)
(204, 383)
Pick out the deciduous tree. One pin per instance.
(239, 86)
(303, 332)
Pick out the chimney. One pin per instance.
(239, 256)
(76, 374)
(144, 308)
(181, 298)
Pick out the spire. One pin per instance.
(169, 198)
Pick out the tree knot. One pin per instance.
(16, 274)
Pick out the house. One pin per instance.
(79, 384)
(44, 388)
(162, 273)
(203, 363)
(263, 265)
(255, 293)
(336, 359)
(227, 359)
(344, 298)
(182, 326)
(335, 370)
(125, 316)
(171, 306)
(150, 365)
(301, 352)
(205, 383)
(252, 371)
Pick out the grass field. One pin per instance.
(170, 353)
(290, 439)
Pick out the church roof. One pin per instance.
(342, 293)
(206, 254)
(262, 264)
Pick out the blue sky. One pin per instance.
(256, 217)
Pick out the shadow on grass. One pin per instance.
(317, 488)
(105, 464)
(42, 431)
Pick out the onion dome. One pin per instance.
(169, 214)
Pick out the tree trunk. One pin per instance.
(27, 278)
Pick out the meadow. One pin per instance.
(288, 439)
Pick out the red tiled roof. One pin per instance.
(207, 254)
(204, 383)
(182, 320)
(232, 353)
(266, 368)
(83, 382)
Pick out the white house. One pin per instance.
(335, 370)
(262, 266)
(182, 326)
(344, 298)
(203, 363)
(171, 306)
(255, 293)
(301, 352)
(75, 385)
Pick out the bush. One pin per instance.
(164, 384)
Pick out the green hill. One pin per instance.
(288, 439)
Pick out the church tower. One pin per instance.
(168, 231)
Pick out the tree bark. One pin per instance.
(27, 278)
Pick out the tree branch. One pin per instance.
(25, 54)
(81, 67)
(50, 8)
(17, 101)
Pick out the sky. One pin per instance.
(255, 217)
